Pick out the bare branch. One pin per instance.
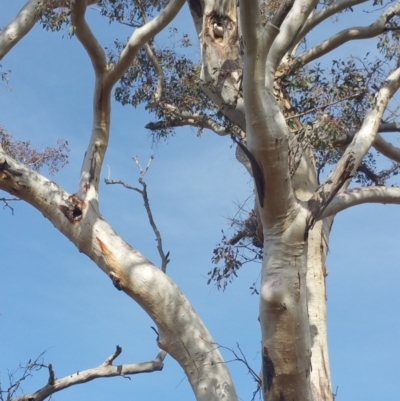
(242, 358)
(324, 14)
(19, 26)
(154, 61)
(112, 357)
(140, 37)
(7, 205)
(389, 127)
(288, 30)
(86, 37)
(164, 257)
(25, 20)
(359, 196)
(355, 152)
(107, 369)
(282, 12)
(387, 149)
(159, 71)
(356, 33)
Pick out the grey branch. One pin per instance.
(164, 256)
(355, 33)
(86, 37)
(324, 14)
(104, 370)
(389, 127)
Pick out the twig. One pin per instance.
(6, 205)
(107, 369)
(325, 106)
(164, 257)
(112, 357)
(242, 358)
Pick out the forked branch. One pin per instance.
(356, 33)
(324, 14)
(355, 152)
(164, 256)
(140, 37)
(86, 37)
(107, 369)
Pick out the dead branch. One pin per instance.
(107, 369)
(164, 256)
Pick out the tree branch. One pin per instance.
(181, 119)
(359, 196)
(164, 257)
(107, 369)
(356, 33)
(181, 332)
(324, 14)
(86, 37)
(295, 19)
(6, 202)
(387, 149)
(266, 129)
(389, 127)
(25, 20)
(140, 37)
(355, 152)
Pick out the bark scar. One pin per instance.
(268, 369)
(7, 171)
(257, 172)
(114, 267)
(74, 211)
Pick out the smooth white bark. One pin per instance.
(387, 149)
(107, 369)
(181, 332)
(292, 24)
(25, 20)
(356, 33)
(266, 129)
(323, 15)
(139, 38)
(345, 169)
(358, 196)
(317, 249)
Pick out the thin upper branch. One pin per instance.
(380, 144)
(140, 37)
(389, 127)
(355, 152)
(324, 14)
(359, 196)
(107, 369)
(387, 149)
(86, 37)
(355, 33)
(164, 256)
(293, 22)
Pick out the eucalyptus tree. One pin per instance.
(293, 113)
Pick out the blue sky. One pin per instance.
(54, 298)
